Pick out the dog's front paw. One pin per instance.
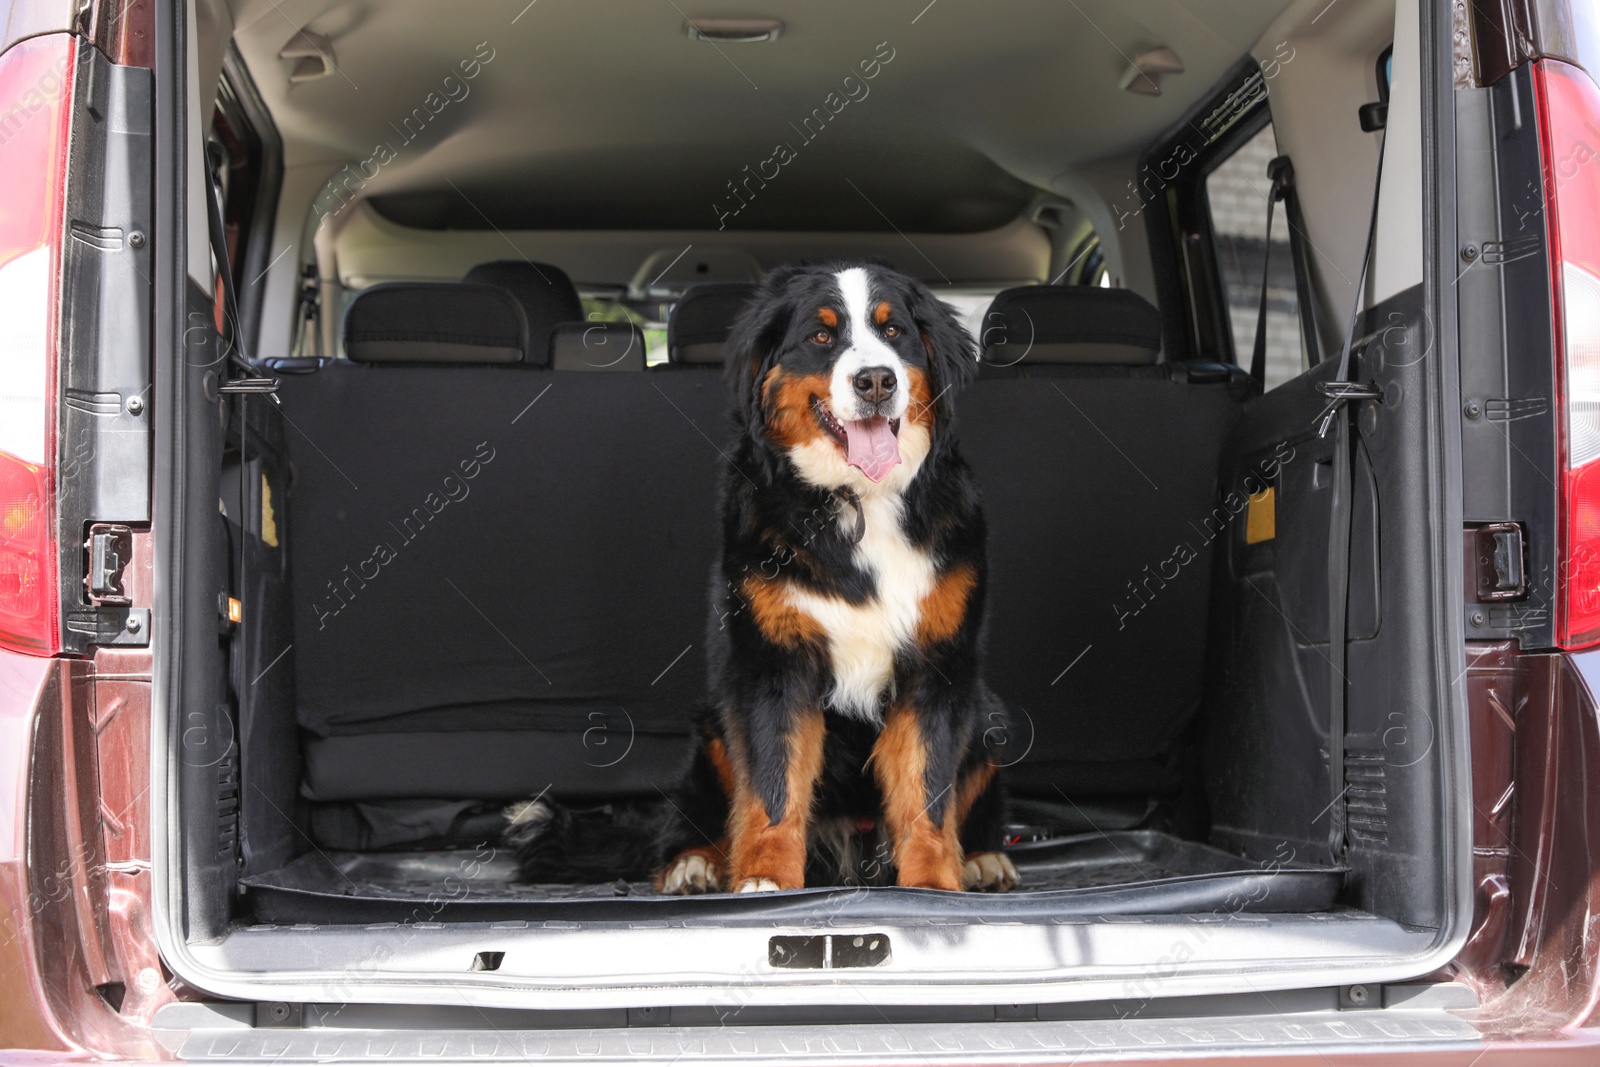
(693, 871)
(989, 872)
(758, 885)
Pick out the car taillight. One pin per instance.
(35, 96)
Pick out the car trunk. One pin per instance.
(1164, 637)
(402, 597)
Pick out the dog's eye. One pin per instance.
(822, 337)
(891, 331)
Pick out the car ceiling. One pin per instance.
(605, 114)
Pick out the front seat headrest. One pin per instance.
(597, 346)
(546, 294)
(1071, 324)
(435, 322)
(702, 319)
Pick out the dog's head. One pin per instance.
(848, 371)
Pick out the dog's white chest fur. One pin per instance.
(864, 638)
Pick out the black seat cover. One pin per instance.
(499, 576)
(500, 573)
(545, 292)
(1097, 487)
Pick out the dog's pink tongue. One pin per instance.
(871, 446)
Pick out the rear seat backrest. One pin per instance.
(468, 626)
(701, 321)
(1098, 478)
(1067, 331)
(515, 596)
(435, 322)
(546, 294)
(597, 346)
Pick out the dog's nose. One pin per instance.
(874, 384)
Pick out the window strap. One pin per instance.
(248, 378)
(1258, 359)
(1281, 172)
(1300, 256)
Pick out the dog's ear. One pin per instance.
(952, 353)
(752, 350)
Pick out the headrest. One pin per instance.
(604, 346)
(1071, 324)
(435, 322)
(546, 294)
(702, 319)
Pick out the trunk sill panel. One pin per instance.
(937, 961)
(1312, 1034)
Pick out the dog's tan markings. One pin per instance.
(925, 855)
(969, 787)
(786, 399)
(880, 314)
(945, 606)
(778, 620)
(717, 753)
(828, 317)
(920, 409)
(767, 853)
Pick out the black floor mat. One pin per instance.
(1124, 873)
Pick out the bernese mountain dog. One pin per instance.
(849, 738)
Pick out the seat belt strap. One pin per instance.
(1339, 392)
(1258, 358)
(1299, 255)
(1281, 171)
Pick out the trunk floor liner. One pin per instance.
(1138, 872)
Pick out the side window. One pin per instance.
(1086, 264)
(1236, 192)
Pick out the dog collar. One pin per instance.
(848, 496)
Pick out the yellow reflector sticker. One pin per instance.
(1261, 517)
(269, 520)
(235, 610)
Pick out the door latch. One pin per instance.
(1499, 551)
(110, 546)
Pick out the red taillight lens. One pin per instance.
(35, 96)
